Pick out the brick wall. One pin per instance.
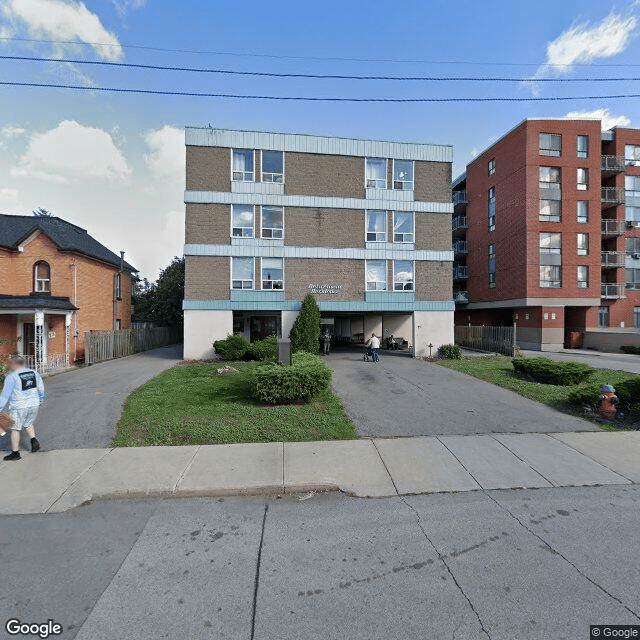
(432, 181)
(315, 227)
(314, 174)
(207, 278)
(299, 273)
(208, 168)
(433, 280)
(433, 231)
(208, 224)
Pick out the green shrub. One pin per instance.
(233, 347)
(585, 396)
(548, 371)
(629, 390)
(305, 378)
(449, 352)
(305, 333)
(630, 348)
(266, 349)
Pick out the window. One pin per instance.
(118, 324)
(632, 191)
(550, 144)
(242, 270)
(632, 247)
(272, 223)
(582, 179)
(636, 317)
(550, 260)
(242, 220)
(491, 166)
(603, 316)
(583, 244)
(403, 175)
(42, 277)
(582, 211)
(242, 170)
(550, 243)
(550, 277)
(376, 226)
(550, 210)
(272, 166)
(632, 279)
(632, 155)
(403, 226)
(583, 277)
(272, 273)
(632, 215)
(376, 275)
(402, 275)
(491, 209)
(117, 286)
(582, 146)
(491, 266)
(376, 173)
(550, 194)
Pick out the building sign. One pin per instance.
(325, 289)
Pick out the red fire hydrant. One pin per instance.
(607, 402)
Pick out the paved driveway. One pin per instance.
(401, 396)
(83, 406)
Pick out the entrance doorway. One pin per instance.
(29, 338)
(264, 326)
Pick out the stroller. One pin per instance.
(368, 354)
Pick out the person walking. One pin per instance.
(22, 394)
(374, 344)
(326, 342)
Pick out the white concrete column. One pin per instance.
(67, 336)
(40, 353)
(202, 328)
(287, 320)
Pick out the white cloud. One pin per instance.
(64, 20)
(608, 120)
(9, 201)
(71, 153)
(167, 152)
(10, 131)
(123, 7)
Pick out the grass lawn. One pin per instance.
(191, 404)
(499, 370)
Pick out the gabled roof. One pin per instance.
(66, 236)
(36, 302)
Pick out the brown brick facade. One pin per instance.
(208, 169)
(314, 174)
(433, 231)
(315, 227)
(432, 181)
(207, 278)
(299, 273)
(433, 280)
(208, 224)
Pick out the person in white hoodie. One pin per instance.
(22, 394)
(374, 344)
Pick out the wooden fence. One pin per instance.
(494, 339)
(107, 345)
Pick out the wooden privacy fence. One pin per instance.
(495, 339)
(107, 345)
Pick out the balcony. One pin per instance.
(459, 223)
(612, 164)
(461, 297)
(460, 197)
(460, 247)
(611, 291)
(612, 196)
(612, 228)
(460, 272)
(613, 259)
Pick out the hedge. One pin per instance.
(631, 349)
(628, 391)
(237, 347)
(585, 396)
(549, 371)
(306, 377)
(449, 352)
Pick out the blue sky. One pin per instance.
(114, 163)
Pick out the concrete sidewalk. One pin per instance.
(59, 480)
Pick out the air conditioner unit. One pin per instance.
(635, 256)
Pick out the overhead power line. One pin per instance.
(313, 76)
(317, 58)
(167, 92)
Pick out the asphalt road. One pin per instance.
(83, 406)
(524, 564)
(401, 396)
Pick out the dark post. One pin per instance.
(284, 351)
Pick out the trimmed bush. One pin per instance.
(233, 347)
(549, 371)
(629, 390)
(630, 348)
(266, 349)
(305, 333)
(305, 378)
(449, 352)
(585, 396)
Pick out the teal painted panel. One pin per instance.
(338, 305)
(238, 295)
(389, 297)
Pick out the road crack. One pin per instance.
(257, 578)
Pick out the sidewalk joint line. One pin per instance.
(460, 462)
(384, 464)
(283, 474)
(257, 578)
(184, 472)
(513, 453)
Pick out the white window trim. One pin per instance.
(582, 186)
(38, 281)
(253, 228)
(262, 173)
(413, 273)
(582, 284)
(386, 172)
(253, 270)
(580, 220)
(366, 225)
(253, 179)
(262, 228)
(413, 234)
(262, 279)
(393, 175)
(580, 250)
(578, 152)
(386, 274)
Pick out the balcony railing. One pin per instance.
(612, 164)
(613, 227)
(51, 362)
(459, 273)
(459, 222)
(461, 297)
(461, 247)
(460, 197)
(613, 259)
(611, 291)
(612, 195)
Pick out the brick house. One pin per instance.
(362, 224)
(56, 282)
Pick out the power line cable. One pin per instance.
(167, 92)
(314, 76)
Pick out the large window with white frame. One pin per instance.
(242, 216)
(582, 146)
(242, 165)
(272, 273)
(272, 222)
(582, 179)
(583, 277)
(582, 211)
(550, 260)
(632, 155)
(403, 175)
(376, 225)
(272, 166)
(42, 277)
(582, 242)
(376, 275)
(242, 273)
(403, 275)
(376, 173)
(403, 226)
(550, 144)
(632, 279)
(632, 191)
